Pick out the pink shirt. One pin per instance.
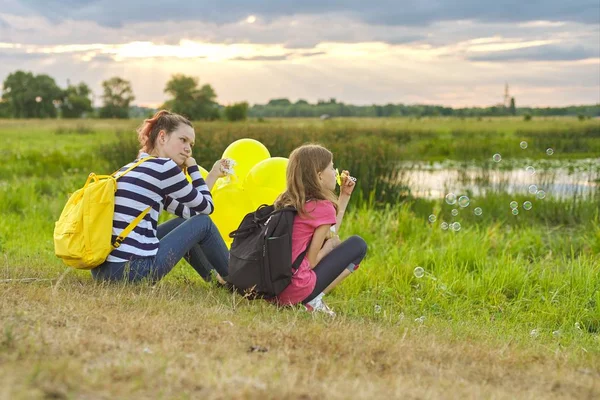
(319, 212)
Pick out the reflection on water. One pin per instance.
(560, 179)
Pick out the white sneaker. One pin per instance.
(317, 304)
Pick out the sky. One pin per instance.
(455, 53)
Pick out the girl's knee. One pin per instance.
(203, 222)
(358, 244)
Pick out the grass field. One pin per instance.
(509, 306)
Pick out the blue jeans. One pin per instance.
(197, 239)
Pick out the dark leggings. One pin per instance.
(346, 256)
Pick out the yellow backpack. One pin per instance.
(82, 234)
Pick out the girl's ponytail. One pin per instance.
(145, 131)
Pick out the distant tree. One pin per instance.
(236, 112)
(189, 100)
(5, 110)
(279, 102)
(76, 101)
(527, 117)
(301, 102)
(30, 96)
(513, 107)
(117, 98)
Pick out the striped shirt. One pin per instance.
(161, 184)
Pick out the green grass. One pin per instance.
(507, 300)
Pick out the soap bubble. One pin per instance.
(534, 333)
(533, 189)
(444, 226)
(540, 194)
(523, 145)
(527, 205)
(419, 272)
(451, 199)
(432, 218)
(549, 151)
(530, 170)
(497, 157)
(38, 99)
(514, 204)
(456, 226)
(464, 201)
(515, 211)
(377, 308)
(454, 212)
(478, 211)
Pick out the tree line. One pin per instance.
(282, 108)
(25, 95)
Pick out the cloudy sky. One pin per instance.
(456, 53)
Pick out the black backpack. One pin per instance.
(260, 258)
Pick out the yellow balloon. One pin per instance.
(246, 153)
(203, 172)
(227, 180)
(231, 205)
(266, 180)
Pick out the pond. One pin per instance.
(560, 179)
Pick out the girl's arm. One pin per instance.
(195, 195)
(342, 204)
(314, 253)
(346, 189)
(217, 171)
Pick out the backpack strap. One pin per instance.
(298, 261)
(141, 160)
(140, 217)
(130, 227)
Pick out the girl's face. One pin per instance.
(178, 145)
(328, 177)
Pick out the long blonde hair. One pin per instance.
(302, 177)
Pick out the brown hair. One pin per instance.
(302, 178)
(163, 120)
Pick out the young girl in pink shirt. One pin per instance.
(311, 183)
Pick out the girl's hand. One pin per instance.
(220, 168)
(189, 162)
(328, 246)
(333, 242)
(348, 184)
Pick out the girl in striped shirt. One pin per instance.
(150, 251)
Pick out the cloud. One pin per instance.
(115, 13)
(281, 57)
(20, 56)
(4, 24)
(539, 53)
(263, 58)
(102, 58)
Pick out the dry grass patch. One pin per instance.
(80, 340)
